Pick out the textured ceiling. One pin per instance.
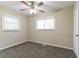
(48, 5)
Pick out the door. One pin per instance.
(76, 29)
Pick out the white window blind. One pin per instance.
(48, 23)
(10, 23)
(40, 24)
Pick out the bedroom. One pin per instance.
(39, 29)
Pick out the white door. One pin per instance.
(76, 29)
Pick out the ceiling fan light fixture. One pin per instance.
(32, 11)
(33, 6)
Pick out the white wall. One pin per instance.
(8, 39)
(62, 36)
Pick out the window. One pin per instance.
(10, 23)
(48, 24)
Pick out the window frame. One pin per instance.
(3, 23)
(44, 24)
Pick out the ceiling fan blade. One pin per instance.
(24, 3)
(41, 11)
(23, 9)
(40, 4)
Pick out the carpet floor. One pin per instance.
(35, 50)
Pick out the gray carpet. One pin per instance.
(35, 50)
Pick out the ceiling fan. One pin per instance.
(33, 6)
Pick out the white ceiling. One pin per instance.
(48, 5)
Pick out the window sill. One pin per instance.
(45, 29)
(10, 30)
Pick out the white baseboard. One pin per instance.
(51, 45)
(12, 45)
